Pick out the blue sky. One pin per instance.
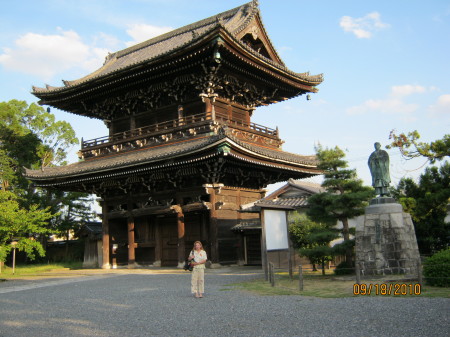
(385, 63)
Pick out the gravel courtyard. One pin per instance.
(159, 303)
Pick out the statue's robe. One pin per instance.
(379, 168)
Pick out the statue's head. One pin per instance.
(377, 146)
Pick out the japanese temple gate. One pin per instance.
(182, 154)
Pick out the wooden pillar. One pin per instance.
(181, 235)
(240, 247)
(131, 244)
(105, 237)
(230, 111)
(158, 243)
(209, 108)
(204, 230)
(213, 231)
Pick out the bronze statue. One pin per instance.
(379, 169)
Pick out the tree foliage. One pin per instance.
(31, 137)
(21, 224)
(436, 269)
(74, 209)
(410, 146)
(313, 240)
(345, 195)
(426, 201)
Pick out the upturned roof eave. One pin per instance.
(128, 71)
(212, 20)
(237, 151)
(218, 29)
(201, 44)
(264, 64)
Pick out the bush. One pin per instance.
(436, 269)
(344, 268)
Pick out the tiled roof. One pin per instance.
(136, 158)
(124, 160)
(91, 229)
(312, 187)
(167, 43)
(94, 227)
(278, 154)
(293, 202)
(232, 21)
(294, 194)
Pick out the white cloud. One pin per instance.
(406, 90)
(364, 27)
(441, 108)
(394, 104)
(141, 32)
(47, 55)
(387, 106)
(109, 41)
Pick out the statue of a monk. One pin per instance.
(379, 169)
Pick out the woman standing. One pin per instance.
(198, 258)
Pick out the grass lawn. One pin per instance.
(331, 286)
(37, 269)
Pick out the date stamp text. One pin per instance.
(387, 289)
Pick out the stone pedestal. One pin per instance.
(386, 243)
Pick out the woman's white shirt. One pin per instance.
(198, 257)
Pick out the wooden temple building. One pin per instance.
(182, 153)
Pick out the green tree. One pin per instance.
(312, 240)
(31, 137)
(410, 146)
(319, 239)
(7, 174)
(21, 224)
(74, 209)
(426, 201)
(345, 195)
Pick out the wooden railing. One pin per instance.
(253, 126)
(181, 123)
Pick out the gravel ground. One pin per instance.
(149, 303)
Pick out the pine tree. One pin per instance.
(345, 195)
(312, 240)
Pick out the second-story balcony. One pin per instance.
(182, 127)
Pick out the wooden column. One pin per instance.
(181, 235)
(209, 108)
(105, 237)
(158, 243)
(131, 244)
(213, 227)
(230, 111)
(204, 230)
(240, 247)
